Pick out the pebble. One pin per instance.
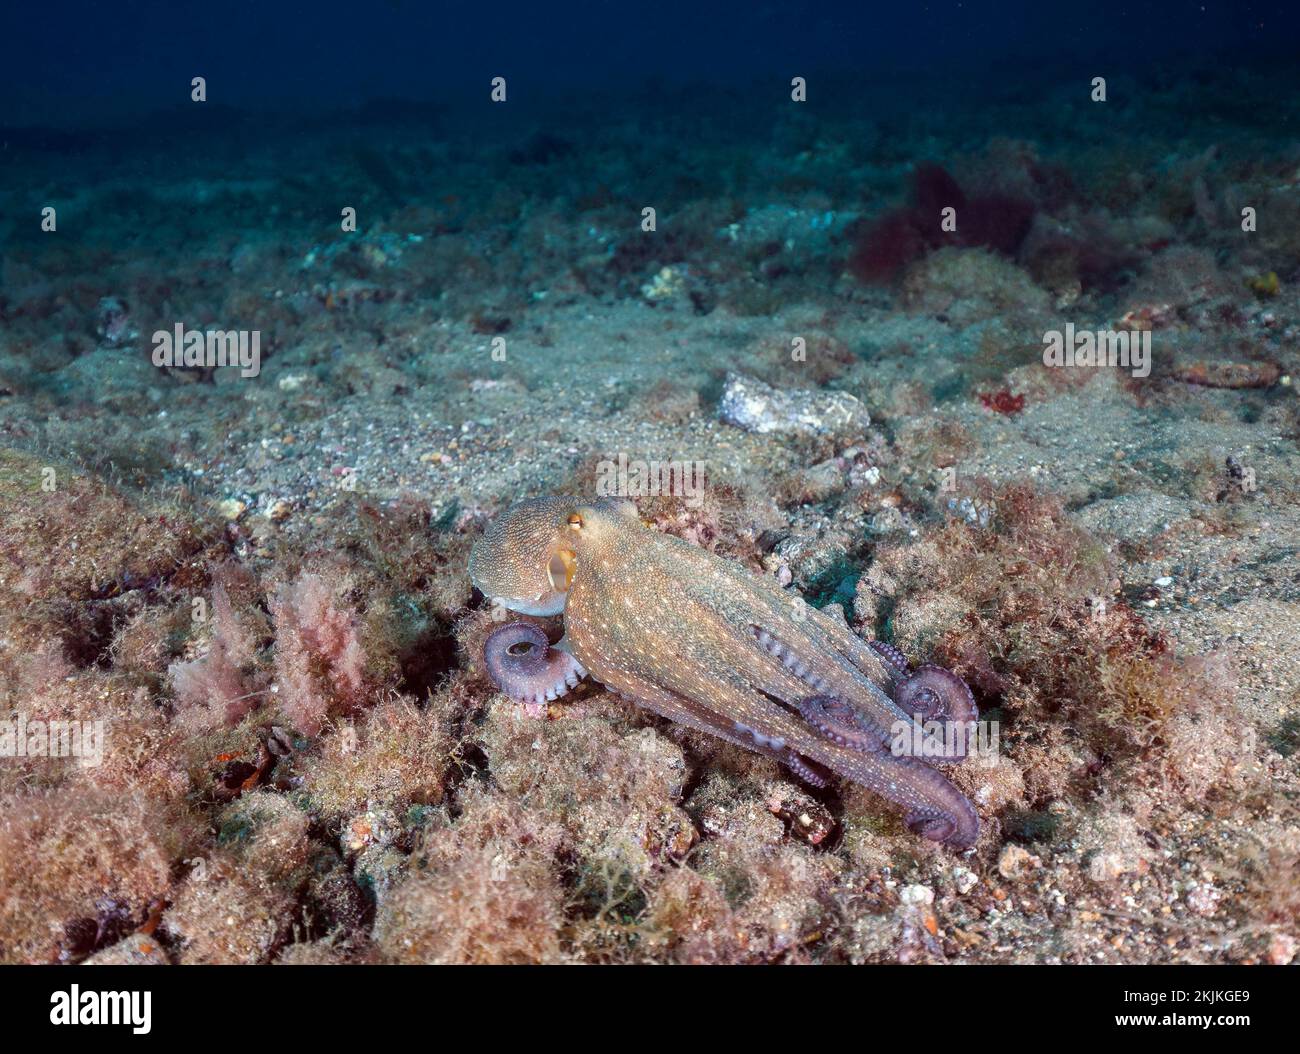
(1220, 374)
(1016, 862)
(751, 405)
(1203, 899)
(139, 949)
(231, 509)
(976, 513)
(1282, 949)
(1108, 866)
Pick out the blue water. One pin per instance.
(67, 63)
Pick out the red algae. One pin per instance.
(996, 221)
(1002, 401)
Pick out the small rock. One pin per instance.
(372, 827)
(916, 895)
(974, 511)
(878, 581)
(139, 949)
(1203, 899)
(1016, 862)
(1106, 867)
(964, 879)
(822, 481)
(114, 321)
(666, 284)
(1282, 949)
(749, 404)
(806, 819)
(231, 509)
(1214, 373)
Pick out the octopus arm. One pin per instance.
(675, 630)
(929, 693)
(683, 711)
(933, 806)
(689, 684)
(702, 635)
(761, 623)
(680, 710)
(526, 667)
(740, 714)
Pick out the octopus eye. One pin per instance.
(560, 568)
(575, 521)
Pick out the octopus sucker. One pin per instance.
(843, 683)
(843, 724)
(954, 820)
(682, 711)
(936, 694)
(786, 656)
(523, 664)
(705, 643)
(929, 693)
(812, 774)
(892, 657)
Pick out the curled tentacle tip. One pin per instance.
(957, 830)
(936, 694)
(936, 828)
(522, 663)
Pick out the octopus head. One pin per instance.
(527, 558)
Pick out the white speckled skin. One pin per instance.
(675, 629)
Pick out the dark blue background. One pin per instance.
(68, 63)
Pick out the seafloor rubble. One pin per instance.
(258, 584)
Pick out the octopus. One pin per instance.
(706, 643)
